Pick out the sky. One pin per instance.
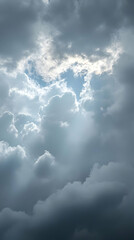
(66, 120)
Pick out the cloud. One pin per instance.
(45, 165)
(66, 164)
(18, 29)
(8, 130)
(11, 159)
(83, 27)
(101, 202)
(4, 91)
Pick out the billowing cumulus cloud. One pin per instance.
(66, 140)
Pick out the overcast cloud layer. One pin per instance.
(66, 120)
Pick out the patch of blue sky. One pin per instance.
(73, 82)
(32, 73)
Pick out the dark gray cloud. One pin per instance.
(76, 27)
(86, 26)
(101, 205)
(19, 29)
